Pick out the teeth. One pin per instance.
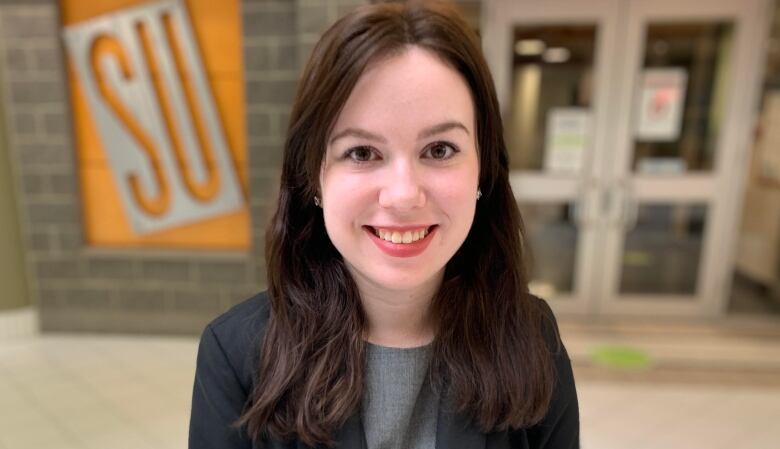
(398, 237)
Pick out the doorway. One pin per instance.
(628, 123)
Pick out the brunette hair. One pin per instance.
(489, 352)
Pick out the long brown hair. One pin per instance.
(489, 352)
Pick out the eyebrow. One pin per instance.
(427, 132)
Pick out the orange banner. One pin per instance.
(216, 28)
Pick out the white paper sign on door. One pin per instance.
(567, 137)
(661, 99)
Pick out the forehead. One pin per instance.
(406, 92)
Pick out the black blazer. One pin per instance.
(227, 359)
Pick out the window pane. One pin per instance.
(549, 121)
(552, 238)
(680, 97)
(661, 255)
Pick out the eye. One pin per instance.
(440, 150)
(360, 154)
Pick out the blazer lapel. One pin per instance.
(351, 435)
(454, 431)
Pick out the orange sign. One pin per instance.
(158, 113)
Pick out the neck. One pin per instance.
(398, 318)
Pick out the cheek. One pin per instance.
(345, 199)
(458, 190)
(457, 201)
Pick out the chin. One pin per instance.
(400, 281)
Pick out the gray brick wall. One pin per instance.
(79, 288)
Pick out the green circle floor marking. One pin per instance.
(623, 357)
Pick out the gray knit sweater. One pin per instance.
(399, 408)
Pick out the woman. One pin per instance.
(397, 313)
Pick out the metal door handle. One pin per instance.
(580, 209)
(629, 207)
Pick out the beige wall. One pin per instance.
(13, 284)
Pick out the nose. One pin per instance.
(402, 188)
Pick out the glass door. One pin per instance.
(553, 82)
(682, 117)
(625, 121)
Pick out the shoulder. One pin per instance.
(560, 426)
(554, 343)
(247, 316)
(549, 324)
(237, 334)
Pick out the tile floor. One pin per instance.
(115, 392)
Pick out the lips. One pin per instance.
(410, 249)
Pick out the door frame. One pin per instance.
(608, 172)
(582, 189)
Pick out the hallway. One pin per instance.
(64, 391)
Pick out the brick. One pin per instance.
(258, 240)
(33, 183)
(142, 300)
(259, 124)
(37, 91)
(346, 6)
(62, 183)
(259, 276)
(271, 92)
(47, 58)
(49, 212)
(265, 190)
(261, 187)
(262, 219)
(49, 298)
(312, 18)
(165, 270)
(106, 268)
(69, 240)
(56, 269)
(25, 25)
(17, 60)
(264, 155)
(282, 123)
(229, 272)
(270, 22)
(39, 240)
(287, 56)
(55, 124)
(192, 300)
(266, 200)
(87, 298)
(45, 153)
(305, 48)
(265, 4)
(24, 123)
(257, 272)
(259, 56)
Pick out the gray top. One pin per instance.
(399, 408)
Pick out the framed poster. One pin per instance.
(661, 99)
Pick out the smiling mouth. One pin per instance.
(399, 237)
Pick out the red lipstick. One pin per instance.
(401, 249)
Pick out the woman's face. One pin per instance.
(400, 175)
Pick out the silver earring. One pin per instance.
(317, 201)
(479, 193)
